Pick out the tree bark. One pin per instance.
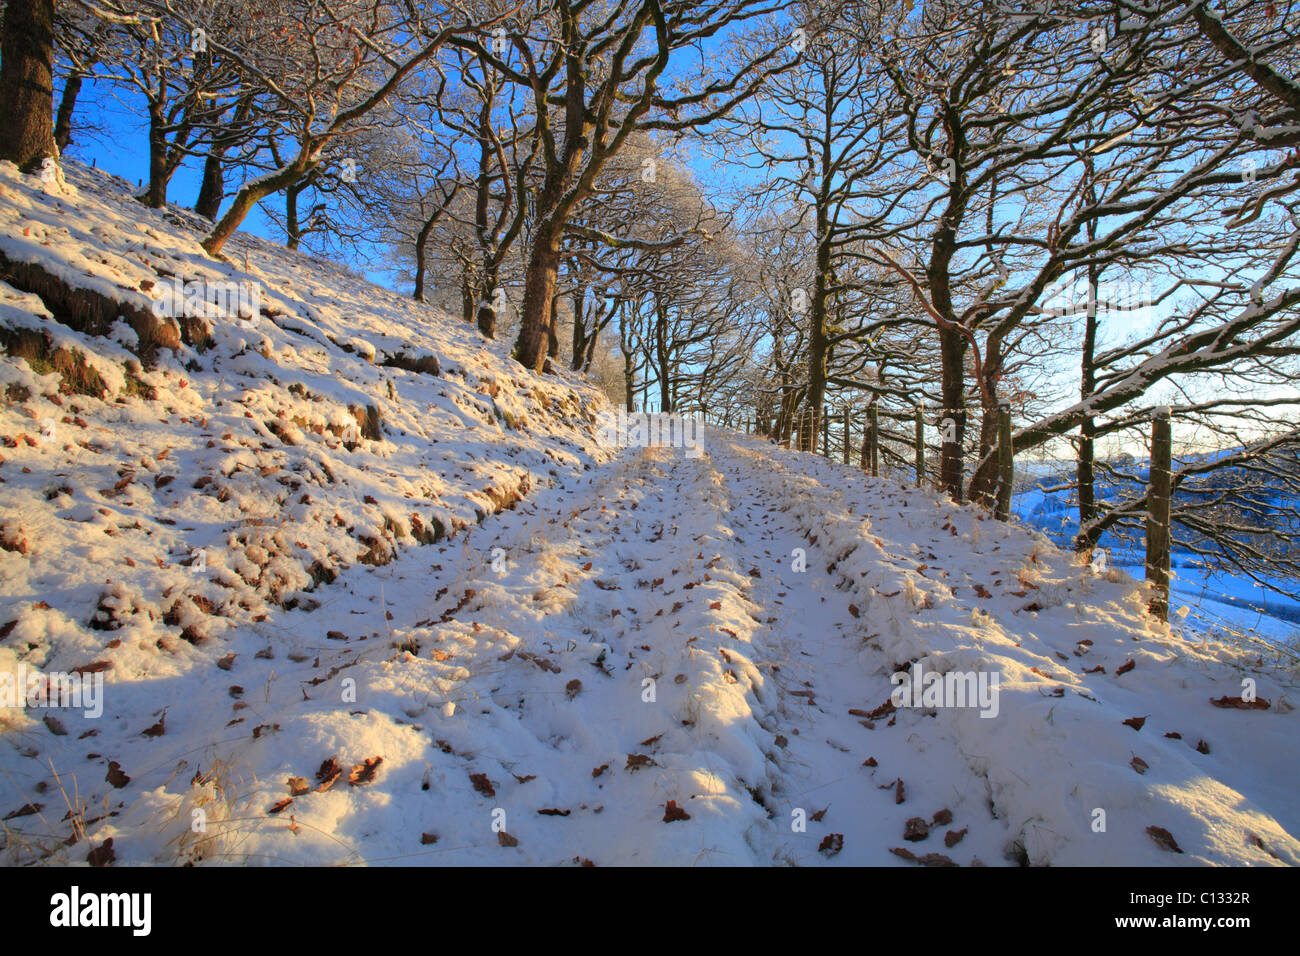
(539, 290)
(952, 348)
(27, 84)
(67, 103)
(487, 311)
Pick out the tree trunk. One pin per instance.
(579, 340)
(292, 231)
(539, 289)
(155, 196)
(212, 190)
(249, 195)
(487, 309)
(953, 350)
(27, 83)
(67, 103)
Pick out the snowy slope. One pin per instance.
(650, 659)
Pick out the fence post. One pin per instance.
(1006, 462)
(1160, 478)
(826, 431)
(920, 446)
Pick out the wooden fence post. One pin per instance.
(1006, 462)
(920, 446)
(1160, 480)
(826, 431)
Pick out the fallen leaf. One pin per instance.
(364, 773)
(115, 775)
(1164, 839)
(1135, 722)
(483, 785)
(915, 830)
(673, 812)
(831, 844)
(1237, 703)
(102, 855)
(328, 773)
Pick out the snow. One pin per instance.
(657, 656)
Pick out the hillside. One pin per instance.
(364, 591)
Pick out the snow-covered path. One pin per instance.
(674, 660)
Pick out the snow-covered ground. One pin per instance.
(649, 658)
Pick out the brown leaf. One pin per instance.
(831, 844)
(298, 786)
(1138, 764)
(26, 810)
(280, 805)
(898, 791)
(715, 605)
(953, 837)
(158, 729)
(673, 812)
(1202, 747)
(328, 773)
(1135, 722)
(364, 773)
(483, 785)
(853, 609)
(102, 855)
(1125, 667)
(55, 726)
(915, 830)
(554, 812)
(573, 688)
(819, 814)
(596, 772)
(936, 859)
(904, 852)
(637, 761)
(505, 839)
(115, 775)
(1237, 703)
(870, 762)
(1164, 839)
(427, 838)
(227, 662)
(525, 779)
(942, 818)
